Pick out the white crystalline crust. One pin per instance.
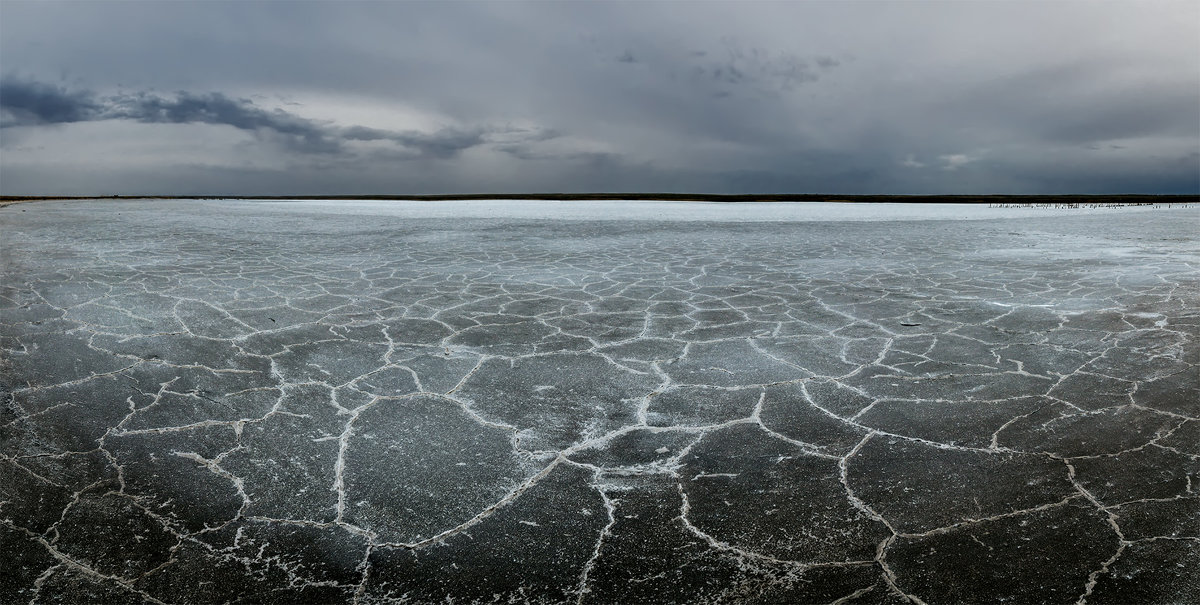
(648, 210)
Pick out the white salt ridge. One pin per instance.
(645, 210)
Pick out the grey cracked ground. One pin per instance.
(250, 402)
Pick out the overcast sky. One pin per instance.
(398, 97)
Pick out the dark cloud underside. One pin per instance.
(26, 103)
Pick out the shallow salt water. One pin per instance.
(614, 402)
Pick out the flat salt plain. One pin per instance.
(614, 402)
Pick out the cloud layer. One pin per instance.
(32, 103)
(739, 97)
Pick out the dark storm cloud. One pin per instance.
(35, 103)
(214, 108)
(27, 102)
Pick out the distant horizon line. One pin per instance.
(662, 196)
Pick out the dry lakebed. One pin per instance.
(598, 402)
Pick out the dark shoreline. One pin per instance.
(1020, 200)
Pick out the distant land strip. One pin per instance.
(1081, 200)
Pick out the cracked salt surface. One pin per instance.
(618, 402)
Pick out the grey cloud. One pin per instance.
(826, 62)
(780, 71)
(444, 143)
(733, 64)
(1167, 112)
(1079, 103)
(525, 151)
(214, 108)
(26, 102)
(31, 102)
